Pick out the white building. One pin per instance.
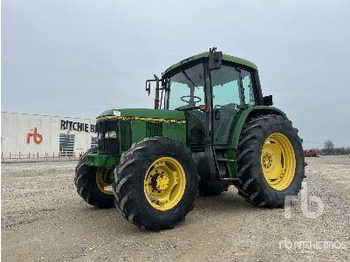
(29, 135)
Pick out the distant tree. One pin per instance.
(328, 147)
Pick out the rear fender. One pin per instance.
(242, 117)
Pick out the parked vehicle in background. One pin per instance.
(310, 153)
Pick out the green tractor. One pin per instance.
(211, 127)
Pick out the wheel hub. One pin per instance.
(164, 183)
(267, 160)
(159, 181)
(278, 161)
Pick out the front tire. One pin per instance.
(156, 183)
(270, 161)
(91, 186)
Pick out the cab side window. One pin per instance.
(249, 96)
(225, 82)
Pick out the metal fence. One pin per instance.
(32, 156)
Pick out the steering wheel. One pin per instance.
(196, 99)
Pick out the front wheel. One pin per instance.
(156, 183)
(270, 161)
(92, 184)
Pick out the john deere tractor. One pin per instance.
(211, 127)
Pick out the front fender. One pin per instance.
(97, 160)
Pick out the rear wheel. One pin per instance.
(92, 184)
(270, 161)
(156, 183)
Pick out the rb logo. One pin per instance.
(37, 137)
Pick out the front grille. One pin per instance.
(107, 145)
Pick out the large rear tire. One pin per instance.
(91, 186)
(156, 183)
(270, 161)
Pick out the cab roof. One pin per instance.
(227, 58)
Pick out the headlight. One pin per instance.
(100, 135)
(111, 134)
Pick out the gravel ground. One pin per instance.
(43, 219)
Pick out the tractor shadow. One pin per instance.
(228, 202)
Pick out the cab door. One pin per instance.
(227, 98)
(232, 91)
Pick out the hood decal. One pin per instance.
(135, 118)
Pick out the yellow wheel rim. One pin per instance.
(101, 184)
(164, 183)
(278, 161)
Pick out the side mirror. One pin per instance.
(215, 59)
(148, 89)
(267, 100)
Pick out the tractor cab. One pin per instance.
(211, 88)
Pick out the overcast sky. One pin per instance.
(79, 58)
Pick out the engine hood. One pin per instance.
(143, 114)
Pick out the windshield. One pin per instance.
(187, 88)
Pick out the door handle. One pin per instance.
(217, 112)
